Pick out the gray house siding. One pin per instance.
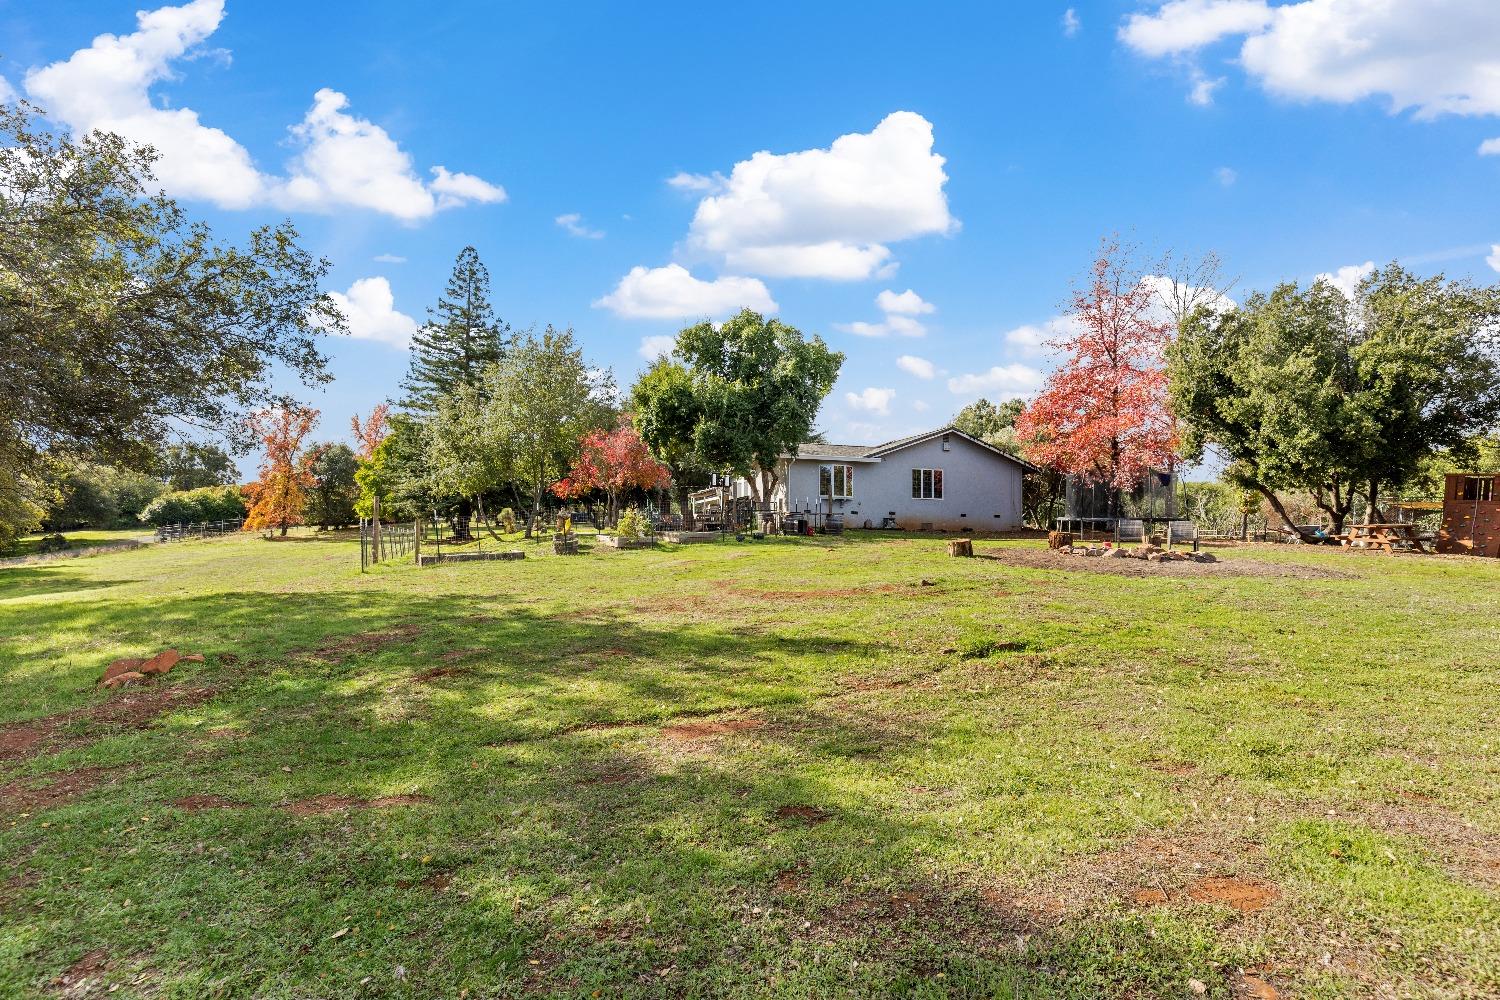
(981, 489)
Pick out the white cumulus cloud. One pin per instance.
(1346, 279)
(1070, 22)
(1493, 260)
(1183, 25)
(907, 303)
(684, 181)
(672, 292)
(871, 400)
(913, 365)
(900, 312)
(1004, 381)
(657, 347)
(1434, 57)
(339, 161)
(370, 308)
(827, 213)
(573, 223)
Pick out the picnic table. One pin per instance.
(1387, 536)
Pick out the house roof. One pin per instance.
(818, 450)
(874, 453)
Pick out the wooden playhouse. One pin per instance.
(1471, 514)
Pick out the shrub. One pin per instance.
(631, 525)
(207, 503)
(507, 521)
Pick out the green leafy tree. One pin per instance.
(330, 501)
(992, 424)
(666, 416)
(464, 456)
(206, 503)
(84, 499)
(396, 472)
(192, 464)
(1304, 389)
(534, 407)
(757, 386)
(460, 339)
(120, 319)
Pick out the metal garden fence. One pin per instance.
(202, 529)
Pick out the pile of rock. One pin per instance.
(1150, 553)
(136, 671)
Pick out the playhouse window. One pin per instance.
(1478, 488)
(836, 482)
(927, 484)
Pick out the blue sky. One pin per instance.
(990, 147)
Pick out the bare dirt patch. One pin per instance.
(806, 815)
(615, 772)
(1239, 894)
(1048, 559)
(810, 595)
(984, 920)
(28, 795)
(135, 708)
(1252, 986)
(438, 673)
(198, 803)
(365, 642)
(700, 730)
(323, 805)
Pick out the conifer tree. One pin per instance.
(459, 340)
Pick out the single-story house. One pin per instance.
(942, 480)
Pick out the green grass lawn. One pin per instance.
(787, 768)
(79, 538)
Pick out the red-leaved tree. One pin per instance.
(281, 491)
(613, 461)
(373, 431)
(1102, 415)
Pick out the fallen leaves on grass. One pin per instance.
(76, 979)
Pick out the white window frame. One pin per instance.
(833, 491)
(928, 482)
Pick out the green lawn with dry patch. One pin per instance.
(785, 768)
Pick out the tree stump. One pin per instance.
(961, 547)
(1059, 539)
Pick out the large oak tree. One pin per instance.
(1309, 389)
(121, 320)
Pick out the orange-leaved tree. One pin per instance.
(281, 491)
(1102, 416)
(372, 431)
(613, 461)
